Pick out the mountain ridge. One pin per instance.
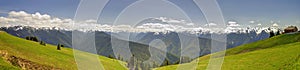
(104, 45)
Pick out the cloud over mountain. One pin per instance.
(232, 24)
(37, 19)
(210, 24)
(156, 24)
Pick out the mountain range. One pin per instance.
(179, 38)
(139, 44)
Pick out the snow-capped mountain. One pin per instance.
(142, 39)
(168, 30)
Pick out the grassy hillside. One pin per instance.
(16, 52)
(4, 65)
(279, 52)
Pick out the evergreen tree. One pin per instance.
(131, 63)
(271, 34)
(137, 65)
(111, 56)
(31, 38)
(145, 66)
(278, 33)
(177, 62)
(166, 62)
(58, 47)
(35, 39)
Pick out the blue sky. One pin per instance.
(58, 8)
(243, 11)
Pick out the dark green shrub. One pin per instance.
(35, 39)
(42, 43)
(32, 38)
(62, 45)
(27, 38)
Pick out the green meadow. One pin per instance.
(17, 51)
(280, 52)
(277, 53)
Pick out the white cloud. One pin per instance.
(39, 20)
(275, 25)
(20, 14)
(251, 22)
(158, 27)
(259, 24)
(271, 21)
(190, 24)
(233, 23)
(210, 24)
(23, 18)
(91, 21)
(174, 21)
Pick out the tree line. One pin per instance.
(35, 39)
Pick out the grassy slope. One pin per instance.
(280, 52)
(4, 65)
(45, 55)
